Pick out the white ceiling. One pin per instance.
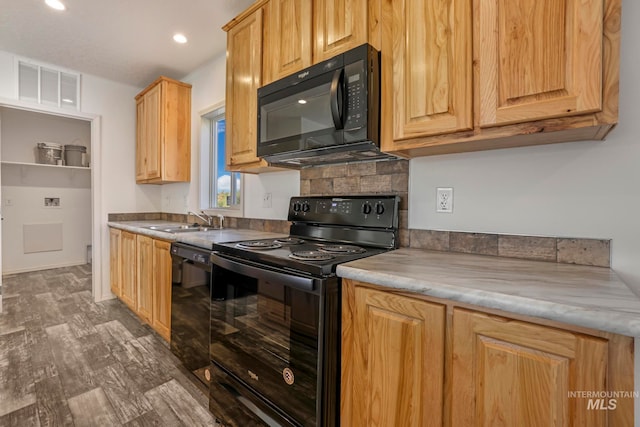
(128, 41)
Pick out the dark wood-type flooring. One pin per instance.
(67, 361)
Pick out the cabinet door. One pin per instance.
(141, 138)
(339, 25)
(153, 131)
(538, 59)
(513, 373)
(393, 358)
(426, 69)
(244, 70)
(287, 47)
(129, 268)
(115, 262)
(162, 288)
(145, 274)
(148, 135)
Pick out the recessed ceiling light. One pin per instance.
(179, 38)
(55, 4)
(302, 101)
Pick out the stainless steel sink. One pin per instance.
(184, 228)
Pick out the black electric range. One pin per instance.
(275, 312)
(325, 232)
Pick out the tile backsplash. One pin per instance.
(392, 177)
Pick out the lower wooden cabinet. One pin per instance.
(418, 361)
(161, 314)
(393, 360)
(512, 373)
(128, 268)
(115, 276)
(144, 277)
(141, 277)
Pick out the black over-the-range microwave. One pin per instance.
(327, 113)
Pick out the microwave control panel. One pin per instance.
(355, 85)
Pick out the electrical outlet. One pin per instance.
(444, 200)
(266, 200)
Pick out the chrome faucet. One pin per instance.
(206, 218)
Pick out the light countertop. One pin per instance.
(202, 239)
(592, 297)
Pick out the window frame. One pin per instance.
(59, 71)
(208, 165)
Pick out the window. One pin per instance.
(222, 188)
(48, 86)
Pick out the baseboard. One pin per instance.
(42, 267)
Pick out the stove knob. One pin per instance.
(379, 208)
(306, 207)
(297, 207)
(366, 208)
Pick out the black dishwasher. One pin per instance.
(190, 305)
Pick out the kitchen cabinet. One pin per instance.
(516, 373)
(244, 77)
(393, 359)
(163, 132)
(427, 67)
(338, 26)
(161, 315)
(287, 44)
(128, 267)
(140, 269)
(115, 269)
(466, 76)
(144, 277)
(409, 359)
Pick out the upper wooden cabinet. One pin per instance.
(339, 25)
(496, 74)
(287, 44)
(427, 68)
(163, 132)
(538, 59)
(244, 77)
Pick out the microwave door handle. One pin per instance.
(336, 99)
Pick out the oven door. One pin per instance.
(268, 333)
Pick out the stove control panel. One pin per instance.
(378, 211)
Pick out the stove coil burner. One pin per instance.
(289, 241)
(311, 256)
(258, 244)
(342, 249)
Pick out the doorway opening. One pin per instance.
(49, 208)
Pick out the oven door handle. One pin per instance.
(290, 280)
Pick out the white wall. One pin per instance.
(208, 90)
(22, 130)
